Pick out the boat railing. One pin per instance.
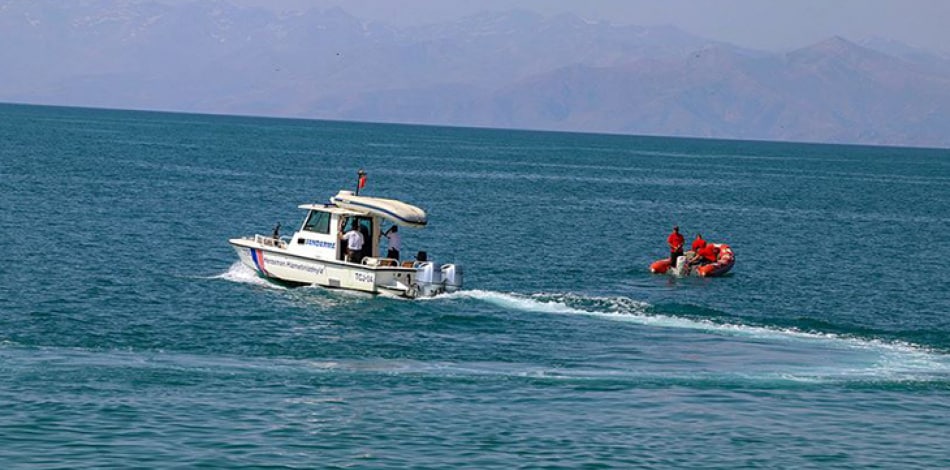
(270, 241)
(377, 262)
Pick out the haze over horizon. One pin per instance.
(772, 26)
(552, 65)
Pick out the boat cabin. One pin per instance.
(319, 234)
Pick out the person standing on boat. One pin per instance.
(354, 243)
(676, 241)
(367, 241)
(395, 242)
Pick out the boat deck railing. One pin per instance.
(270, 241)
(380, 262)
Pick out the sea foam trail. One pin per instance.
(124, 362)
(875, 360)
(511, 301)
(238, 272)
(633, 311)
(892, 359)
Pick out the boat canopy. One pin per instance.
(397, 212)
(330, 208)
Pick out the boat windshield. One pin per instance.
(318, 222)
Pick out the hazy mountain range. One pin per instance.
(512, 69)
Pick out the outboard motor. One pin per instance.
(452, 277)
(428, 278)
(682, 268)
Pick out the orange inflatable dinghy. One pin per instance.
(723, 264)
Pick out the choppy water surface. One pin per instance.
(129, 335)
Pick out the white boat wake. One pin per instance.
(849, 358)
(827, 357)
(242, 274)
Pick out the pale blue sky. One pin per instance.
(761, 24)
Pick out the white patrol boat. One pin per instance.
(316, 254)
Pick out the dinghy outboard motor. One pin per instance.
(682, 267)
(452, 277)
(429, 278)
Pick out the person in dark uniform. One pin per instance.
(367, 250)
(395, 242)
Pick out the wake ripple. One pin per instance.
(893, 357)
(239, 273)
(861, 358)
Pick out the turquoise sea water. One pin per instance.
(130, 336)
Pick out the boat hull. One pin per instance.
(724, 263)
(272, 262)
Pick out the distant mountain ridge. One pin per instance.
(503, 69)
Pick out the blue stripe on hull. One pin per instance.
(257, 262)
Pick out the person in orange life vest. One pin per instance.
(675, 240)
(698, 243)
(706, 255)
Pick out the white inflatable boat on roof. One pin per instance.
(397, 212)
